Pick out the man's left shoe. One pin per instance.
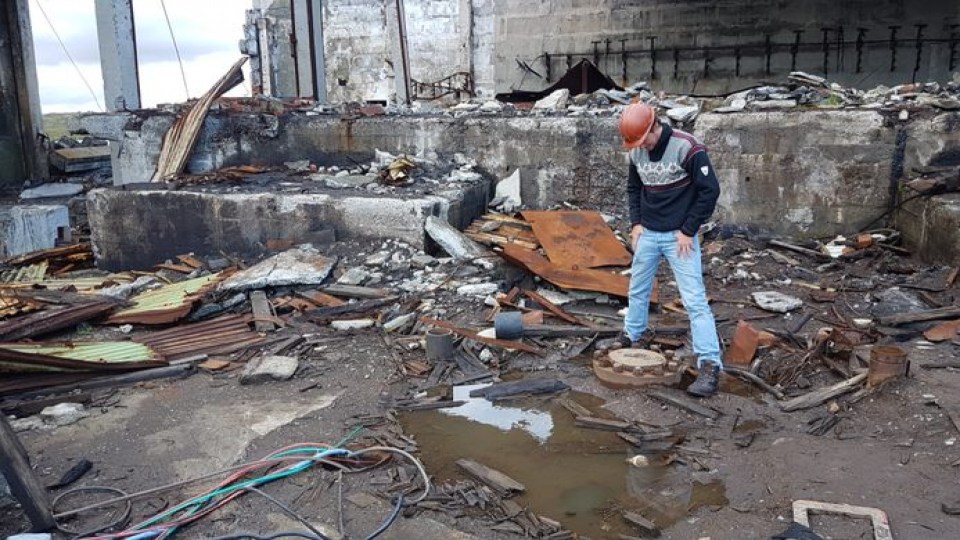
(707, 381)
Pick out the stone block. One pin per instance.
(266, 368)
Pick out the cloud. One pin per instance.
(207, 34)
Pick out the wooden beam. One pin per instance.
(816, 398)
(928, 315)
(24, 485)
(496, 480)
(679, 400)
(262, 312)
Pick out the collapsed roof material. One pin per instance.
(583, 78)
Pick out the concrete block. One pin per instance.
(931, 228)
(35, 227)
(266, 368)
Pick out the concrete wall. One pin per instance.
(810, 173)
(357, 52)
(813, 173)
(700, 46)
(528, 29)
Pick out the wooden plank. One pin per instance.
(352, 291)
(575, 408)
(679, 400)
(24, 485)
(808, 252)
(321, 299)
(928, 315)
(262, 312)
(496, 480)
(641, 523)
(181, 268)
(190, 261)
(593, 422)
(553, 308)
(816, 398)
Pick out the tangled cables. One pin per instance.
(248, 478)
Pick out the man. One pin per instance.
(672, 191)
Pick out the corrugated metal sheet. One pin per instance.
(76, 356)
(222, 335)
(168, 303)
(32, 272)
(83, 285)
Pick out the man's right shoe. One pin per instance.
(622, 341)
(708, 381)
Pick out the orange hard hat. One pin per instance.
(635, 123)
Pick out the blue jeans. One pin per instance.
(687, 271)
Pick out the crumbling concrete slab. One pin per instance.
(300, 266)
(135, 228)
(269, 368)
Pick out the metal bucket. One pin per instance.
(887, 362)
(439, 344)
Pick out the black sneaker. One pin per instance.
(622, 341)
(646, 338)
(707, 381)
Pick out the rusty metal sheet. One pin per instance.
(577, 239)
(76, 356)
(167, 304)
(567, 278)
(52, 320)
(222, 335)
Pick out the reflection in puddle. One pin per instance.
(577, 476)
(535, 422)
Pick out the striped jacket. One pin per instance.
(672, 187)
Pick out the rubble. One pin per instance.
(63, 414)
(299, 266)
(269, 367)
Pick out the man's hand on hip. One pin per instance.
(635, 235)
(684, 245)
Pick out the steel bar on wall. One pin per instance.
(766, 49)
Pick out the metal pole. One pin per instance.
(653, 56)
(861, 34)
(893, 47)
(919, 43)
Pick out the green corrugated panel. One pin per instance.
(167, 296)
(101, 351)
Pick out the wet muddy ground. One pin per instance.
(731, 478)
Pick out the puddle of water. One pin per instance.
(577, 476)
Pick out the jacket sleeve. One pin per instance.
(707, 188)
(634, 190)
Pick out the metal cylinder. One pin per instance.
(886, 362)
(439, 344)
(508, 325)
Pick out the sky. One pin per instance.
(207, 33)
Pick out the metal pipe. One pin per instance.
(653, 56)
(768, 50)
(826, 50)
(893, 47)
(794, 49)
